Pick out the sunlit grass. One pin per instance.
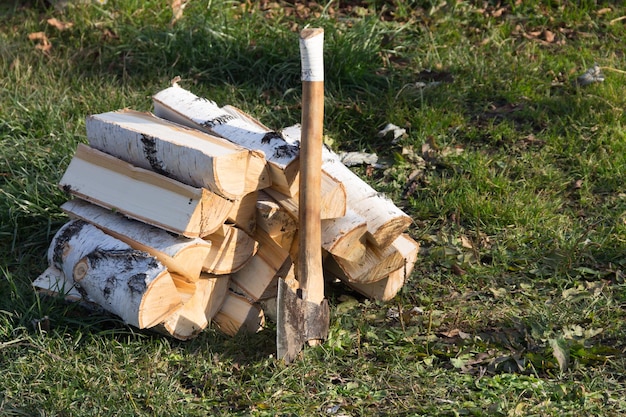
(514, 178)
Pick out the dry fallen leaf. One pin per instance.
(578, 184)
(177, 9)
(457, 270)
(44, 44)
(498, 12)
(58, 24)
(548, 36)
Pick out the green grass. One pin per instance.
(516, 306)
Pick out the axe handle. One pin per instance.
(310, 272)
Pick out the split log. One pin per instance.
(198, 308)
(180, 255)
(272, 218)
(239, 314)
(385, 221)
(126, 282)
(52, 282)
(243, 213)
(332, 204)
(142, 194)
(388, 287)
(181, 106)
(270, 305)
(187, 155)
(259, 278)
(231, 250)
(219, 291)
(343, 238)
(383, 290)
(377, 263)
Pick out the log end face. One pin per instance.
(389, 231)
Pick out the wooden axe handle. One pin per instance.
(310, 272)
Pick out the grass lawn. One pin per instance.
(513, 172)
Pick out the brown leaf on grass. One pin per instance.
(548, 36)
(498, 12)
(604, 10)
(178, 6)
(456, 333)
(59, 25)
(466, 242)
(617, 19)
(43, 42)
(457, 270)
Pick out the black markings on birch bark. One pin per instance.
(137, 284)
(269, 136)
(150, 151)
(219, 120)
(61, 247)
(286, 151)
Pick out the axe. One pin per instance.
(302, 311)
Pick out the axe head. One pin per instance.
(298, 321)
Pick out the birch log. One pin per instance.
(239, 314)
(344, 238)
(187, 155)
(198, 308)
(243, 212)
(53, 282)
(181, 106)
(128, 283)
(388, 287)
(332, 203)
(179, 254)
(219, 290)
(258, 279)
(385, 221)
(143, 195)
(383, 290)
(272, 218)
(231, 250)
(377, 263)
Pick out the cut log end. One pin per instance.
(388, 231)
(80, 270)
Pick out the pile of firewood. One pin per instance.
(189, 216)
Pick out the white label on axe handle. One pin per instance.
(312, 54)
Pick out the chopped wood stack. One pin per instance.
(189, 216)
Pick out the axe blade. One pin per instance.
(298, 321)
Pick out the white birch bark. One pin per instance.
(52, 282)
(385, 221)
(181, 255)
(181, 106)
(187, 155)
(126, 282)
